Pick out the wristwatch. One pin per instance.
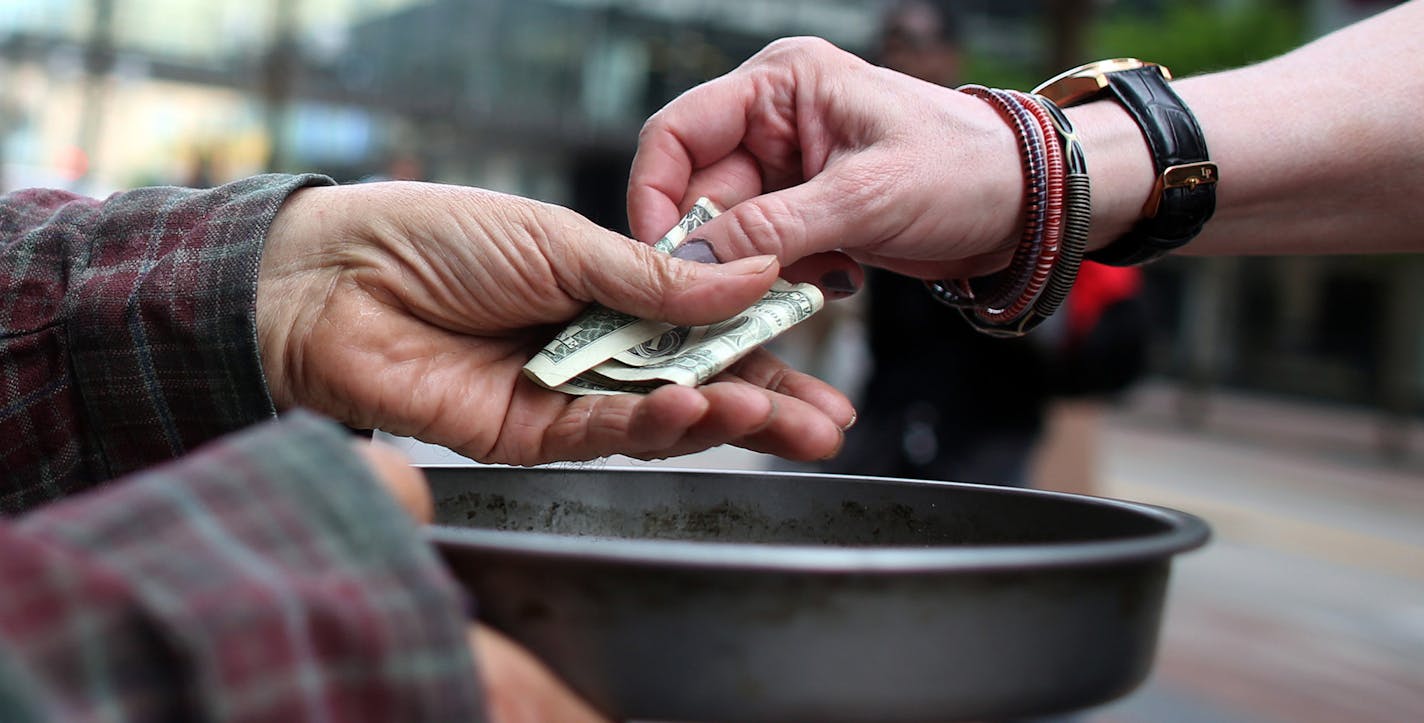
(1184, 194)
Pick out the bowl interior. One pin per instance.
(777, 508)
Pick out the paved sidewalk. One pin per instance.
(1308, 605)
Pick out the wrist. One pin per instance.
(288, 273)
(996, 197)
(1119, 164)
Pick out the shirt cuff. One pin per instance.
(161, 323)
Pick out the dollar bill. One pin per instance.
(657, 349)
(600, 332)
(605, 352)
(695, 356)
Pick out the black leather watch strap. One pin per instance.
(1186, 179)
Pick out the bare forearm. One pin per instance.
(1319, 150)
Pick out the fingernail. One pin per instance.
(696, 249)
(840, 444)
(851, 423)
(838, 282)
(750, 266)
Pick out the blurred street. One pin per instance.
(1308, 603)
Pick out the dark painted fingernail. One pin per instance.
(838, 282)
(696, 249)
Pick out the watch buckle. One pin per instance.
(1187, 175)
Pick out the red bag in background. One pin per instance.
(1103, 348)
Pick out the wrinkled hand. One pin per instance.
(518, 688)
(413, 307)
(895, 171)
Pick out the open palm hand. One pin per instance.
(413, 308)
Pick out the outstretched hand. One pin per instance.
(894, 171)
(413, 307)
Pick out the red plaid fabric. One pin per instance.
(263, 578)
(126, 329)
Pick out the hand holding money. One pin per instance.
(414, 307)
(607, 352)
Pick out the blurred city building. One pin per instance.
(545, 98)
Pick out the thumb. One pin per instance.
(405, 483)
(636, 279)
(839, 209)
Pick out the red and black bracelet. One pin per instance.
(967, 294)
(1045, 251)
(1078, 216)
(1056, 217)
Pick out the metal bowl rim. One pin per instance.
(1184, 532)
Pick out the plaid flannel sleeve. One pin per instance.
(263, 578)
(127, 332)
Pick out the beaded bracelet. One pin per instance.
(964, 294)
(995, 303)
(1046, 250)
(1057, 216)
(1001, 289)
(1078, 212)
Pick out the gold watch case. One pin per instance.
(1085, 82)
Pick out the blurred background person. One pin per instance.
(943, 401)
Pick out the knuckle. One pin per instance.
(803, 50)
(651, 127)
(799, 45)
(667, 280)
(767, 226)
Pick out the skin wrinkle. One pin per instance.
(299, 360)
(399, 367)
(661, 194)
(755, 221)
(777, 379)
(413, 258)
(573, 430)
(684, 145)
(530, 265)
(444, 285)
(668, 283)
(557, 261)
(425, 366)
(775, 110)
(340, 403)
(291, 334)
(653, 286)
(683, 159)
(818, 139)
(477, 445)
(516, 422)
(770, 419)
(454, 285)
(735, 177)
(657, 432)
(691, 440)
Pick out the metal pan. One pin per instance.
(730, 596)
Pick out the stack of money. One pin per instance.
(608, 352)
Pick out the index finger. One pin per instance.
(697, 129)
